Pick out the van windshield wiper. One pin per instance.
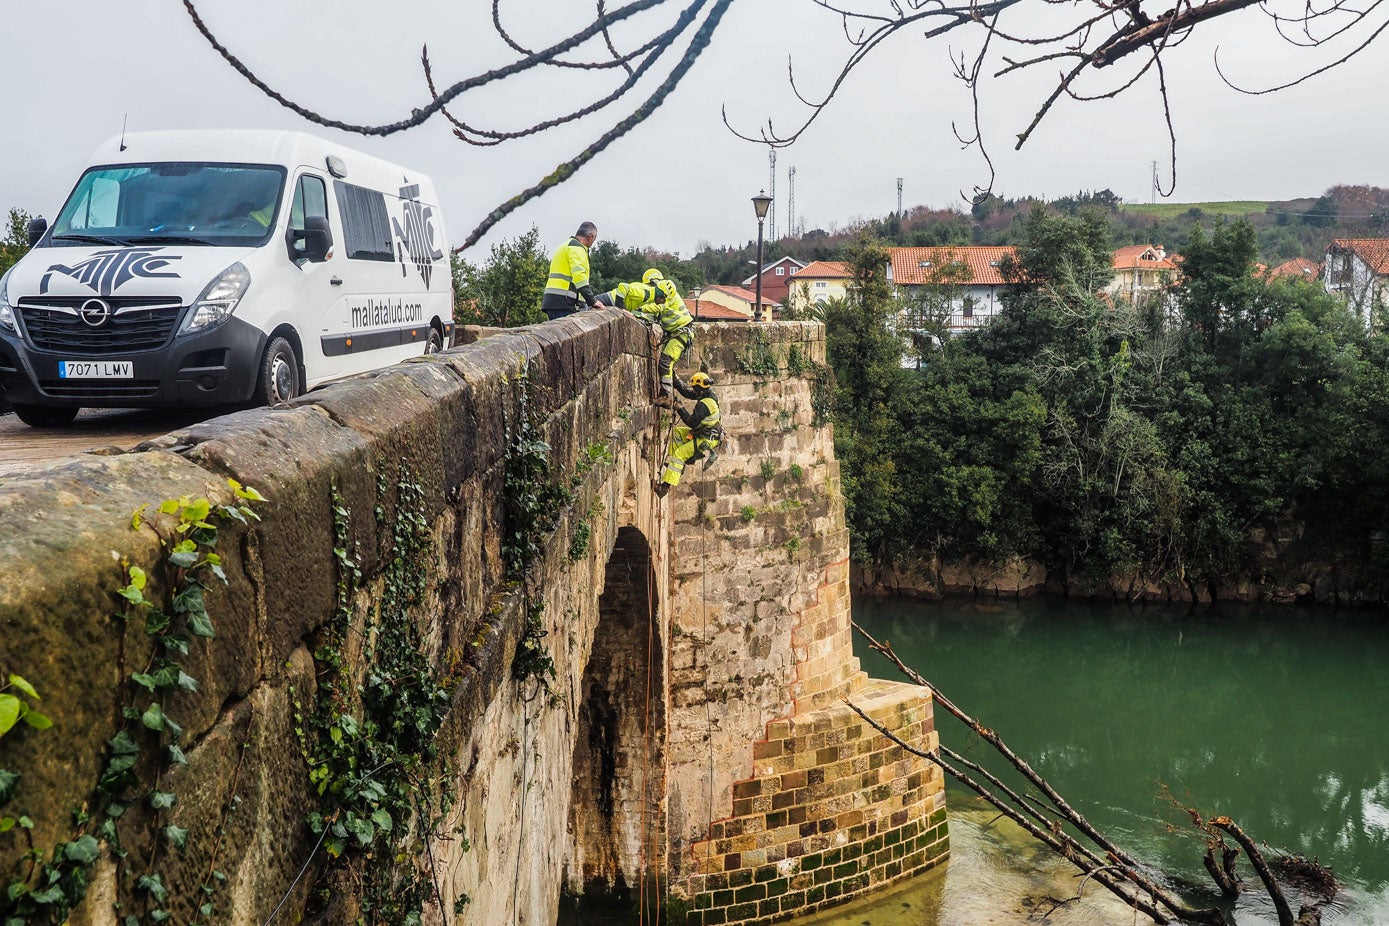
(90, 239)
(167, 239)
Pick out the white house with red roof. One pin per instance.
(964, 282)
(776, 278)
(1357, 270)
(1141, 269)
(818, 283)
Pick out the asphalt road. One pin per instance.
(95, 428)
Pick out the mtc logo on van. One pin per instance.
(107, 271)
(417, 233)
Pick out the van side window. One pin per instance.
(310, 199)
(365, 223)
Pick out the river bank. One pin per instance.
(1282, 580)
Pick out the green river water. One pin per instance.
(1272, 716)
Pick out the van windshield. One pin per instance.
(182, 202)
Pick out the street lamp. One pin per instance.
(695, 291)
(761, 202)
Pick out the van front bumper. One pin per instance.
(216, 367)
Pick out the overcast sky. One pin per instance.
(76, 68)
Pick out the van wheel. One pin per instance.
(435, 342)
(279, 373)
(41, 416)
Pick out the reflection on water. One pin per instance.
(1272, 716)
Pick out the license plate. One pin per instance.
(96, 369)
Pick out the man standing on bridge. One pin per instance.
(569, 277)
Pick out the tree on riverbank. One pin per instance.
(15, 243)
(1106, 440)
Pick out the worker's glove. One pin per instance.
(710, 458)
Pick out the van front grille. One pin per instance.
(135, 324)
(95, 389)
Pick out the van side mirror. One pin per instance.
(314, 241)
(38, 227)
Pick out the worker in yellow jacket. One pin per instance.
(568, 288)
(632, 296)
(676, 324)
(697, 436)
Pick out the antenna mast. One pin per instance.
(1155, 181)
(899, 197)
(771, 212)
(791, 201)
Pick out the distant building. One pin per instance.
(776, 278)
(1140, 270)
(1357, 270)
(958, 286)
(818, 283)
(727, 303)
(1299, 268)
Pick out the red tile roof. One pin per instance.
(1141, 257)
(738, 292)
(1299, 267)
(1373, 251)
(982, 262)
(712, 311)
(826, 270)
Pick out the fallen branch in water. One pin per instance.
(1111, 866)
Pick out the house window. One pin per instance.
(968, 307)
(993, 263)
(781, 271)
(821, 284)
(793, 270)
(925, 265)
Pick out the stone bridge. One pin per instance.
(640, 701)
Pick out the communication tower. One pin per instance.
(771, 212)
(791, 201)
(899, 197)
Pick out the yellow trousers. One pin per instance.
(683, 447)
(672, 349)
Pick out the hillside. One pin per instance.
(1286, 229)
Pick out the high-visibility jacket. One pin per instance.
(704, 417)
(671, 315)
(569, 275)
(632, 296)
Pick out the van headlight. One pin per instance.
(219, 300)
(6, 313)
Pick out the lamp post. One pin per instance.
(695, 291)
(761, 202)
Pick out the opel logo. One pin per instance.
(95, 312)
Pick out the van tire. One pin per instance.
(43, 416)
(435, 342)
(279, 374)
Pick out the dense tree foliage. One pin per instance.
(505, 291)
(1105, 439)
(15, 243)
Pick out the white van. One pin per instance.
(210, 268)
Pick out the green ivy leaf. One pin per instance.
(153, 717)
(9, 712)
(8, 780)
(19, 682)
(176, 755)
(183, 560)
(382, 820)
(178, 836)
(137, 578)
(186, 681)
(168, 506)
(162, 800)
(122, 744)
(141, 678)
(196, 512)
(50, 896)
(37, 720)
(84, 850)
(201, 625)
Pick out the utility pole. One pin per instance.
(791, 201)
(771, 213)
(899, 197)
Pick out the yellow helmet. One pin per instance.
(701, 380)
(651, 275)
